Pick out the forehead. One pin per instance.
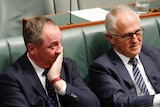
(127, 22)
(51, 31)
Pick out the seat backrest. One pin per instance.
(16, 47)
(96, 42)
(13, 11)
(151, 31)
(4, 54)
(64, 5)
(158, 22)
(85, 4)
(74, 47)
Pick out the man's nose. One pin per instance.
(59, 49)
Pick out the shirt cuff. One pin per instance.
(156, 100)
(63, 90)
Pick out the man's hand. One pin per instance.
(55, 69)
(54, 73)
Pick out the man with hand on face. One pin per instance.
(129, 74)
(24, 83)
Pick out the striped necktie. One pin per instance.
(138, 77)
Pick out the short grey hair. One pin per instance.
(110, 21)
(32, 32)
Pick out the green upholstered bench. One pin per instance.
(4, 54)
(82, 44)
(151, 31)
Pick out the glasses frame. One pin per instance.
(129, 36)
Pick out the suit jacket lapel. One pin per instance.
(121, 70)
(31, 76)
(150, 70)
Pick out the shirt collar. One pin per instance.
(125, 59)
(38, 69)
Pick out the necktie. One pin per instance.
(51, 92)
(138, 77)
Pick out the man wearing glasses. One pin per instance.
(129, 74)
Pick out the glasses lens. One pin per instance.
(129, 36)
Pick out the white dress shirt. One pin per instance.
(129, 67)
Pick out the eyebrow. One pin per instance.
(131, 32)
(134, 31)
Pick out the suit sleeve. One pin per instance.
(77, 92)
(10, 93)
(106, 85)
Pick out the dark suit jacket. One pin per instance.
(21, 87)
(113, 85)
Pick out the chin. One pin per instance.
(134, 54)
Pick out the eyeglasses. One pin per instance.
(129, 36)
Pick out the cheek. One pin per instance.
(113, 41)
(119, 43)
(121, 46)
(43, 53)
(50, 54)
(48, 57)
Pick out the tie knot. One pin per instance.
(133, 61)
(45, 72)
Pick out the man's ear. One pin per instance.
(108, 37)
(30, 48)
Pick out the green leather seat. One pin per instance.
(74, 47)
(4, 54)
(158, 22)
(13, 11)
(64, 5)
(16, 47)
(96, 42)
(85, 4)
(151, 32)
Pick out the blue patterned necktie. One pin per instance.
(138, 77)
(51, 92)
